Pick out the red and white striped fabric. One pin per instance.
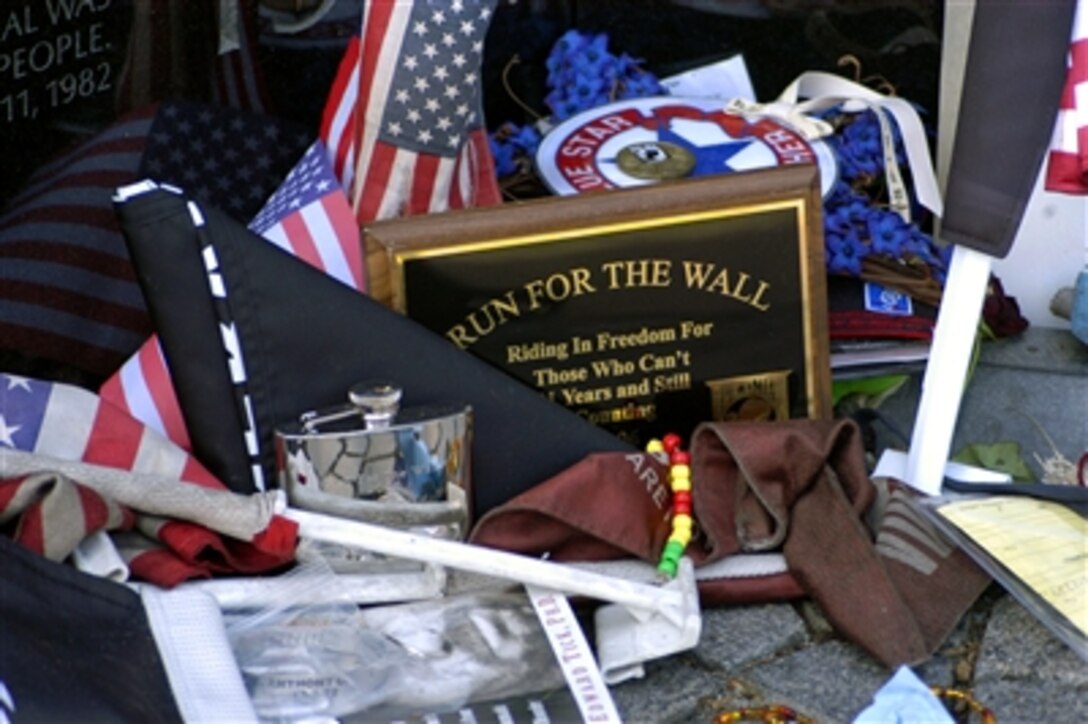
(67, 292)
(1067, 163)
(142, 389)
(70, 423)
(406, 106)
(309, 217)
(338, 119)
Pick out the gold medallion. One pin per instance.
(655, 161)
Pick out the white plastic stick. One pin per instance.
(668, 601)
(946, 371)
(361, 588)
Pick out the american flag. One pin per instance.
(338, 119)
(308, 216)
(222, 157)
(69, 301)
(404, 121)
(1067, 164)
(70, 423)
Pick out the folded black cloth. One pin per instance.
(253, 337)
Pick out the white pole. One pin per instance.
(666, 600)
(946, 371)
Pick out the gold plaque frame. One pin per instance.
(597, 299)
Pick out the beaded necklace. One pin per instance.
(680, 484)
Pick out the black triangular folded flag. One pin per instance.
(298, 340)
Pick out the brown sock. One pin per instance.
(616, 505)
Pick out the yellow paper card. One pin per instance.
(1043, 543)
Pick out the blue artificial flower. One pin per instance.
(860, 147)
(512, 147)
(587, 89)
(844, 253)
(596, 49)
(527, 138)
(887, 232)
(837, 224)
(583, 74)
(504, 157)
(568, 45)
(640, 84)
(856, 219)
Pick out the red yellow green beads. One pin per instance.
(680, 484)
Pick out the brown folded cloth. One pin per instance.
(799, 487)
(610, 506)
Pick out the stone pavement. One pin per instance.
(788, 653)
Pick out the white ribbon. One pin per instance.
(826, 90)
(573, 655)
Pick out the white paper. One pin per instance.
(723, 79)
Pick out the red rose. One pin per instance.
(1000, 312)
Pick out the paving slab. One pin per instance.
(671, 692)
(830, 681)
(1025, 674)
(735, 637)
(1031, 389)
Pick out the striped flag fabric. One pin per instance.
(142, 388)
(404, 120)
(338, 119)
(309, 217)
(1067, 162)
(162, 33)
(239, 82)
(68, 296)
(70, 306)
(70, 423)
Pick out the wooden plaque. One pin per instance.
(644, 310)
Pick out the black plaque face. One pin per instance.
(642, 327)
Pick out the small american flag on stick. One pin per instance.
(309, 216)
(404, 121)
